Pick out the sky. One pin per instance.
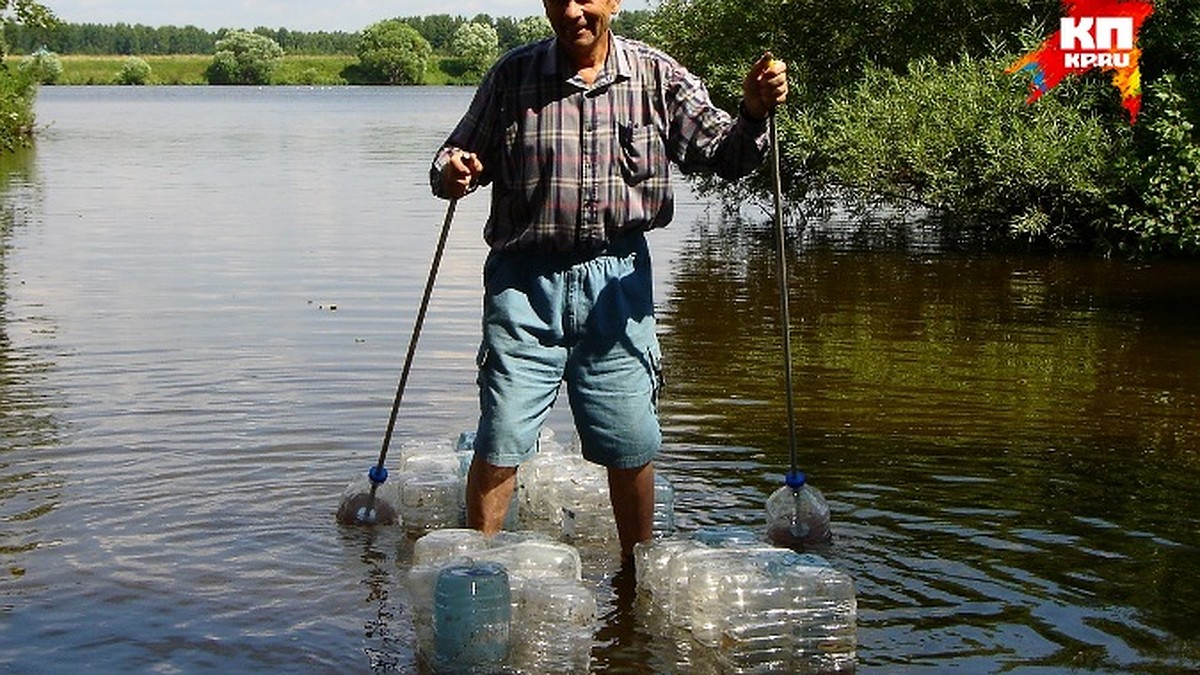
(304, 15)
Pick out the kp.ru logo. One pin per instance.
(1094, 34)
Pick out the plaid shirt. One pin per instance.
(574, 166)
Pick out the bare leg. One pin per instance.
(632, 495)
(489, 490)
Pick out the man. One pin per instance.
(576, 135)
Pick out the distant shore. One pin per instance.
(188, 69)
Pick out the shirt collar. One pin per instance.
(617, 65)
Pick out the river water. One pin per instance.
(205, 299)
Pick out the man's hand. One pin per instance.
(460, 174)
(765, 87)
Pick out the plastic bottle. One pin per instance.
(797, 515)
(538, 560)
(584, 504)
(440, 546)
(471, 618)
(352, 507)
(652, 560)
(432, 501)
(553, 626)
(664, 506)
(722, 536)
(787, 613)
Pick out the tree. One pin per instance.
(633, 24)
(533, 28)
(905, 103)
(437, 29)
(477, 45)
(134, 70)
(18, 90)
(42, 66)
(27, 12)
(393, 52)
(244, 58)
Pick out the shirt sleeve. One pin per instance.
(477, 132)
(705, 139)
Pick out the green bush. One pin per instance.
(393, 52)
(244, 58)
(43, 66)
(960, 140)
(1163, 213)
(17, 94)
(477, 45)
(907, 103)
(134, 70)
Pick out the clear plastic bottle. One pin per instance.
(440, 546)
(553, 626)
(787, 613)
(824, 619)
(797, 515)
(664, 506)
(432, 501)
(538, 560)
(726, 536)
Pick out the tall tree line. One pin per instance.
(140, 39)
(124, 38)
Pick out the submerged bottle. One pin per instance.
(787, 613)
(797, 515)
(553, 626)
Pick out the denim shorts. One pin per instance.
(552, 319)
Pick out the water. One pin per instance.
(206, 298)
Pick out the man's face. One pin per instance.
(580, 24)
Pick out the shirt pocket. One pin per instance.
(641, 152)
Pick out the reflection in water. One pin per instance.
(28, 490)
(389, 635)
(1009, 444)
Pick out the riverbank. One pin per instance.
(188, 69)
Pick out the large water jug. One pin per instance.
(421, 582)
(797, 515)
(422, 457)
(471, 618)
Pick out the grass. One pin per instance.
(188, 69)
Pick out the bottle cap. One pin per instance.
(796, 479)
(378, 474)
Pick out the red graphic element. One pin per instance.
(1093, 34)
